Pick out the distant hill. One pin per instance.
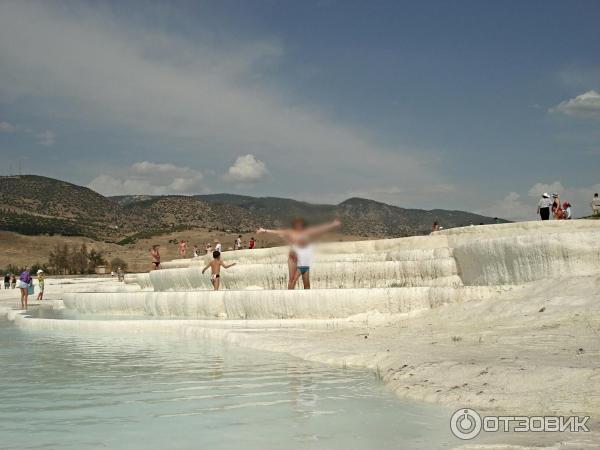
(274, 211)
(189, 212)
(33, 205)
(361, 217)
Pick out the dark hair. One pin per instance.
(216, 254)
(596, 194)
(240, 235)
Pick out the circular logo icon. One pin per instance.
(465, 423)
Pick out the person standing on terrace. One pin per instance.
(41, 277)
(595, 204)
(300, 257)
(155, 255)
(182, 248)
(543, 208)
(23, 284)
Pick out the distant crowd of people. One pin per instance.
(25, 284)
(209, 249)
(301, 251)
(120, 274)
(551, 208)
(298, 237)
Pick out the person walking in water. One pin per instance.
(301, 253)
(41, 278)
(23, 285)
(544, 206)
(182, 248)
(155, 255)
(251, 243)
(7, 281)
(215, 269)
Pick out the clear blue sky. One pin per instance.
(474, 105)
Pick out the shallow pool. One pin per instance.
(162, 392)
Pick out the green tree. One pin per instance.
(59, 259)
(95, 259)
(78, 259)
(118, 262)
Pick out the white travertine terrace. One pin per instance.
(489, 255)
(359, 272)
(284, 304)
(500, 317)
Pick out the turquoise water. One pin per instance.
(139, 392)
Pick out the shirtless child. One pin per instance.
(215, 269)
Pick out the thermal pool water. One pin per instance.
(63, 390)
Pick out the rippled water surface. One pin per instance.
(163, 392)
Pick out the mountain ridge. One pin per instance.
(32, 204)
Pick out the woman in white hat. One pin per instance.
(40, 278)
(544, 206)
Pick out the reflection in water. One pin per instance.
(129, 391)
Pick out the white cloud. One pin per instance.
(246, 169)
(208, 91)
(151, 179)
(539, 188)
(46, 138)
(586, 105)
(511, 207)
(6, 127)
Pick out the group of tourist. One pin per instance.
(10, 281)
(552, 208)
(238, 244)
(119, 274)
(209, 249)
(299, 238)
(300, 257)
(25, 284)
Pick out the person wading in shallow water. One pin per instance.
(301, 253)
(155, 255)
(23, 284)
